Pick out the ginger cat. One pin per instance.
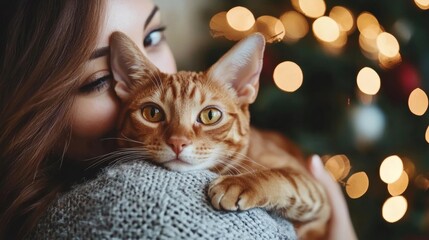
(200, 120)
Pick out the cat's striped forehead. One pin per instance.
(192, 86)
(185, 90)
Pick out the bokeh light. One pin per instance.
(240, 18)
(288, 76)
(422, 4)
(338, 166)
(272, 28)
(343, 17)
(312, 8)
(391, 169)
(295, 24)
(368, 133)
(357, 185)
(218, 24)
(422, 182)
(368, 81)
(368, 25)
(427, 135)
(387, 44)
(403, 29)
(389, 62)
(219, 27)
(326, 29)
(409, 167)
(368, 47)
(394, 209)
(399, 186)
(336, 46)
(418, 102)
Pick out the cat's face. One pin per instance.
(186, 121)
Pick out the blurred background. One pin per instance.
(345, 79)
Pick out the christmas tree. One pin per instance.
(347, 80)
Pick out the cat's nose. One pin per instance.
(178, 143)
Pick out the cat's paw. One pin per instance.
(234, 193)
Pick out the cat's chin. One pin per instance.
(179, 165)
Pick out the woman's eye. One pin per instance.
(210, 116)
(98, 84)
(154, 37)
(152, 113)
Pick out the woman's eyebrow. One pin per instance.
(100, 52)
(104, 51)
(151, 15)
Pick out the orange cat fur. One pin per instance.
(189, 121)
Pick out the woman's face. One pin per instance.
(96, 108)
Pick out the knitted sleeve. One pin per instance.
(137, 200)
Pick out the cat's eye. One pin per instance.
(152, 113)
(210, 116)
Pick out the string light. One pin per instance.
(326, 29)
(391, 169)
(368, 81)
(288, 76)
(394, 208)
(295, 25)
(399, 186)
(418, 102)
(357, 185)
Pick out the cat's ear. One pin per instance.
(129, 64)
(241, 66)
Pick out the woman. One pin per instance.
(57, 106)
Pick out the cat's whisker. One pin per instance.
(229, 167)
(246, 158)
(130, 140)
(135, 152)
(156, 80)
(244, 162)
(161, 86)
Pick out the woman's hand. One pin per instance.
(340, 226)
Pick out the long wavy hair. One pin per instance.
(44, 46)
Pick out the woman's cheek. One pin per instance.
(94, 116)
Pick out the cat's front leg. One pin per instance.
(292, 193)
(237, 192)
(272, 188)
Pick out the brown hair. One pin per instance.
(44, 46)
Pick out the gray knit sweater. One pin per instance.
(137, 200)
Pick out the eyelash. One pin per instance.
(146, 40)
(96, 85)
